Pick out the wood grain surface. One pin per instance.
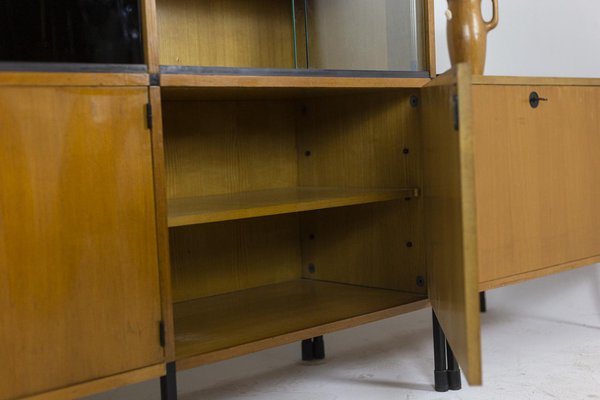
(263, 315)
(79, 291)
(369, 140)
(224, 207)
(450, 216)
(222, 257)
(226, 33)
(537, 180)
(87, 79)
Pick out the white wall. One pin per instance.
(536, 38)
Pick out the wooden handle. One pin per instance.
(494, 21)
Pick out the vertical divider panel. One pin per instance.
(150, 35)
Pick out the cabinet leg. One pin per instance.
(440, 372)
(307, 350)
(454, 380)
(313, 349)
(482, 303)
(168, 383)
(319, 348)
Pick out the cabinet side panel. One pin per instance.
(79, 288)
(537, 179)
(367, 141)
(226, 33)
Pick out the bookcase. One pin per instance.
(238, 175)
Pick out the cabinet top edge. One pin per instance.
(537, 81)
(73, 79)
(300, 82)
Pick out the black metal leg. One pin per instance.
(318, 348)
(313, 349)
(168, 383)
(454, 380)
(440, 372)
(482, 303)
(307, 350)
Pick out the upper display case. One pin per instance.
(377, 37)
(70, 31)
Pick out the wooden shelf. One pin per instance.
(225, 207)
(251, 84)
(229, 325)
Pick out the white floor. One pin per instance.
(541, 340)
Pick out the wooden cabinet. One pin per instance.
(79, 291)
(536, 177)
(224, 198)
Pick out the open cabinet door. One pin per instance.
(450, 229)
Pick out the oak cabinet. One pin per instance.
(226, 197)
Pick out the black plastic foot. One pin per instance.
(482, 302)
(441, 381)
(168, 383)
(454, 380)
(307, 350)
(313, 349)
(318, 348)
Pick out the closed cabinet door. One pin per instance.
(450, 214)
(537, 176)
(79, 288)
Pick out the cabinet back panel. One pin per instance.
(218, 258)
(537, 181)
(365, 245)
(226, 33)
(76, 178)
(360, 141)
(228, 147)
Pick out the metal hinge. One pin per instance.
(161, 333)
(149, 115)
(455, 111)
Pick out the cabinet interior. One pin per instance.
(305, 209)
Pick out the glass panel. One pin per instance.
(83, 31)
(384, 35)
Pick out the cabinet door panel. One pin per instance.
(79, 291)
(449, 195)
(537, 178)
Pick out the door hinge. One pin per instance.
(161, 333)
(455, 111)
(149, 115)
